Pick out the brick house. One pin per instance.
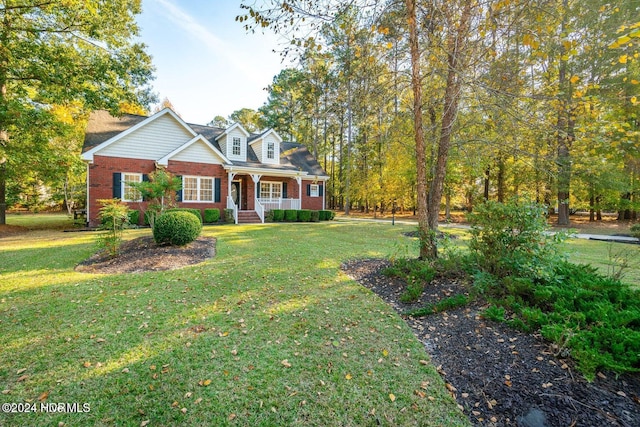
(220, 168)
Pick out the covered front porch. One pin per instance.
(252, 192)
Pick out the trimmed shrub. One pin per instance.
(195, 212)
(211, 215)
(278, 215)
(304, 215)
(134, 217)
(326, 215)
(290, 215)
(176, 228)
(228, 216)
(635, 231)
(315, 216)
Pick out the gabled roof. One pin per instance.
(299, 156)
(88, 153)
(102, 126)
(260, 136)
(103, 129)
(232, 127)
(165, 160)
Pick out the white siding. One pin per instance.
(198, 153)
(236, 133)
(152, 141)
(257, 148)
(276, 144)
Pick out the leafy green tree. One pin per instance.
(219, 121)
(248, 118)
(60, 52)
(159, 192)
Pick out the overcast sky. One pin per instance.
(206, 64)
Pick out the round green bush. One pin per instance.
(176, 228)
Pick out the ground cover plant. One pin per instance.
(268, 332)
(518, 266)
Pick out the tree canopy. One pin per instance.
(74, 54)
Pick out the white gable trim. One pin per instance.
(88, 155)
(165, 160)
(264, 135)
(265, 171)
(232, 127)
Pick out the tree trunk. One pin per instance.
(500, 180)
(564, 129)
(421, 149)
(455, 46)
(487, 182)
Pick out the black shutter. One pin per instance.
(216, 186)
(145, 178)
(308, 189)
(258, 189)
(284, 190)
(179, 192)
(117, 185)
(320, 189)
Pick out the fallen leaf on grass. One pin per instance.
(286, 363)
(183, 410)
(87, 364)
(22, 378)
(392, 397)
(43, 396)
(174, 404)
(100, 340)
(204, 383)
(145, 423)
(348, 376)
(424, 362)
(6, 391)
(232, 417)
(20, 371)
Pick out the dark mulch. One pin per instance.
(499, 375)
(143, 254)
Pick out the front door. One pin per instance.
(235, 193)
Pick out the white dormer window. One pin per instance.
(237, 146)
(271, 150)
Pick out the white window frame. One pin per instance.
(271, 150)
(199, 189)
(234, 140)
(314, 190)
(272, 185)
(127, 190)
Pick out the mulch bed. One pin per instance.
(143, 254)
(501, 376)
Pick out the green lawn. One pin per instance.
(269, 332)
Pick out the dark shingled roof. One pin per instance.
(103, 126)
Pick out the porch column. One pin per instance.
(230, 175)
(299, 181)
(256, 179)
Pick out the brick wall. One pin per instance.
(101, 181)
(313, 203)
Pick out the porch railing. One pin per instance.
(259, 208)
(231, 205)
(270, 204)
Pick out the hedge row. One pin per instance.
(302, 215)
(211, 216)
